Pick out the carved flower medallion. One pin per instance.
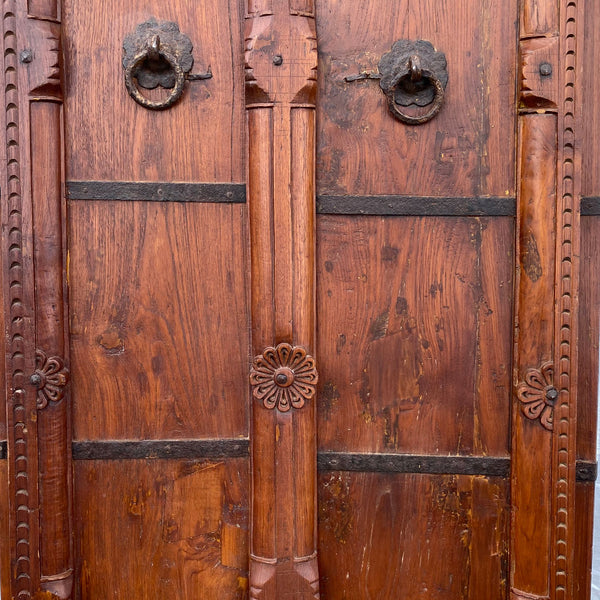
(283, 377)
(50, 377)
(538, 394)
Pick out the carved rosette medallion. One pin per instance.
(538, 394)
(283, 377)
(50, 377)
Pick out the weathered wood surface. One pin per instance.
(421, 536)
(415, 334)
(531, 489)
(162, 529)
(414, 312)
(159, 331)
(281, 62)
(467, 150)
(199, 139)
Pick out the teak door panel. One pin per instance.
(175, 282)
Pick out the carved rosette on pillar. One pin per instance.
(281, 63)
(34, 266)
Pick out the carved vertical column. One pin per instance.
(281, 62)
(544, 418)
(34, 259)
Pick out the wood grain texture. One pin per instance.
(537, 89)
(5, 550)
(199, 139)
(51, 334)
(538, 18)
(589, 335)
(466, 150)
(590, 92)
(404, 305)
(436, 537)
(584, 530)
(181, 531)
(531, 443)
(159, 329)
(566, 330)
(281, 63)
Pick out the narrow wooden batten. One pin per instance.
(281, 62)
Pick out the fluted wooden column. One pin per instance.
(35, 308)
(545, 399)
(281, 62)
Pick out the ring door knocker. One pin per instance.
(413, 73)
(158, 54)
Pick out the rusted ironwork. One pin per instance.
(413, 73)
(158, 54)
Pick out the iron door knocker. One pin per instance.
(413, 73)
(158, 54)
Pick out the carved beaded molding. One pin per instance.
(283, 377)
(21, 465)
(566, 321)
(538, 394)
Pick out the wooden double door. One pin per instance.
(299, 334)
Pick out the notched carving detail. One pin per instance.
(43, 60)
(283, 377)
(50, 378)
(538, 394)
(281, 69)
(539, 75)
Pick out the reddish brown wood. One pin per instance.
(567, 299)
(531, 441)
(391, 295)
(539, 18)
(430, 536)
(179, 529)
(539, 73)
(39, 440)
(281, 65)
(54, 438)
(159, 328)
(5, 549)
(199, 139)
(467, 150)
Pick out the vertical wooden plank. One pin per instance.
(39, 443)
(532, 421)
(543, 468)
(534, 368)
(281, 65)
(19, 313)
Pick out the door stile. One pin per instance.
(34, 269)
(544, 408)
(281, 62)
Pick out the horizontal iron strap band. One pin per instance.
(590, 206)
(162, 191)
(327, 461)
(410, 463)
(417, 206)
(183, 449)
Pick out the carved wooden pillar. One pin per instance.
(281, 62)
(33, 220)
(544, 415)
